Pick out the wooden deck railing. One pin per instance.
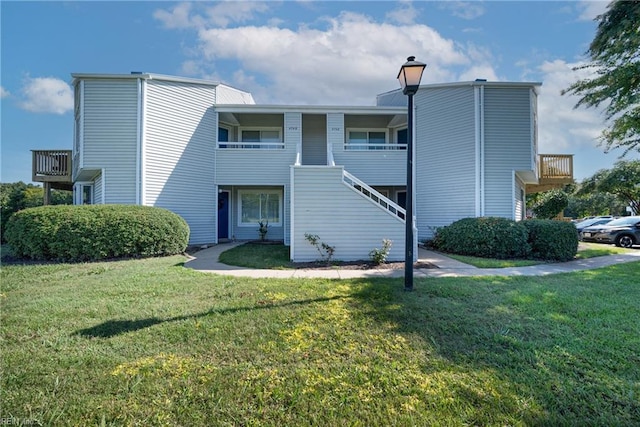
(556, 166)
(51, 166)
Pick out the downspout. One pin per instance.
(103, 197)
(482, 183)
(143, 139)
(478, 165)
(81, 136)
(139, 143)
(292, 248)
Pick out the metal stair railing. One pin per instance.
(377, 198)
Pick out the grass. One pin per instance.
(148, 342)
(253, 255)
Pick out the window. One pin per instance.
(402, 138)
(364, 139)
(87, 194)
(83, 193)
(260, 205)
(223, 136)
(265, 138)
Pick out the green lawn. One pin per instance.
(148, 342)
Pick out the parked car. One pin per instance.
(624, 232)
(591, 222)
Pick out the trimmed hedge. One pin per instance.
(502, 238)
(93, 232)
(488, 237)
(552, 240)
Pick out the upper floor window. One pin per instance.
(366, 139)
(252, 138)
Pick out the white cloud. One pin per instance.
(563, 128)
(348, 61)
(178, 17)
(405, 14)
(221, 14)
(4, 93)
(464, 9)
(46, 95)
(590, 9)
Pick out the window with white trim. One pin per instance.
(366, 139)
(260, 205)
(264, 138)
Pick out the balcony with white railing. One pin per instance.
(375, 163)
(242, 162)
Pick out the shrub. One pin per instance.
(92, 232)
(488, 237)
(326, 252)
(379, 255)
(552, 240)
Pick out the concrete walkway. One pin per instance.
(206, 260)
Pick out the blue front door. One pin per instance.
(223, 215)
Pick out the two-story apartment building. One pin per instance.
(208, 152)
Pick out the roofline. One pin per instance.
(147, 76)
(275, 108)
(472, 83)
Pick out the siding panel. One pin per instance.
(340, 217)
(445, 168)
(110, 135)
(508, 142)
(181, 128)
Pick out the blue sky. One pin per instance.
(293, 52)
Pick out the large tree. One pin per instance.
(615, 58)
(623, 181)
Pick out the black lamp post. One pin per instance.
(409, 78)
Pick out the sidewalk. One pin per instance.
(206, 261)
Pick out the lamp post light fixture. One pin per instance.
(409, 77)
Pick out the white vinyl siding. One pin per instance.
(97, 190)
(340, 216)
(507, 147)
(180, 134)
(445, 165)
(110, 135)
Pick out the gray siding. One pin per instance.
(341, 217)
(335, 132)
(314, 139)
(445, 165)
(97, 190)
(507, 147)
(180, 134)
(110, 135)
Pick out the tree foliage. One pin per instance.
(550, 204)
(16, 196)
(615, 57)
(623, 181)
